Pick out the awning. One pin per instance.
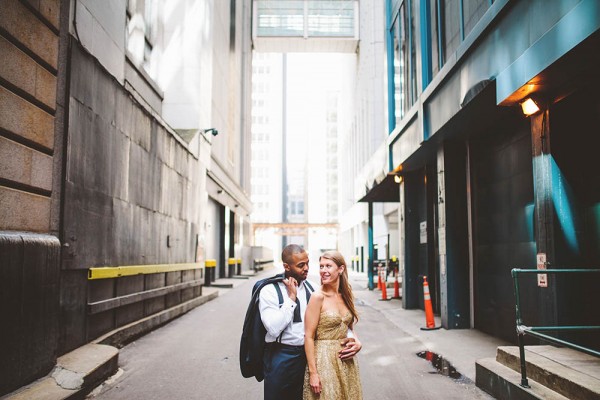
(386, 191)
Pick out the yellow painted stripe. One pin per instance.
(239, 260)
(115, 272)
(231, 261)
(210, 263)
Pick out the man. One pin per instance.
(284, 359)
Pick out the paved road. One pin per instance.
(196, 357)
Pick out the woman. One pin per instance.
(329, 315)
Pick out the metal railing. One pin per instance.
(535, 331)
(122, 272)
(258, 263)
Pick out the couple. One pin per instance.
(310, 344)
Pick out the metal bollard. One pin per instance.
(230, 267)
(210, 267)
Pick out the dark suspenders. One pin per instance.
(280, 297)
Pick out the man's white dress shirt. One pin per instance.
(280, 319)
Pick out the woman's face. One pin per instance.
(329, 271)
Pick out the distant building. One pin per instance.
(295, 155)
(267, 154)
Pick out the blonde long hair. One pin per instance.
(345, 288)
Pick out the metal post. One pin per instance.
(520, 333)
(524, 382)
(370, 263)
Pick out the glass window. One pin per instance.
(450, 13)
(412, 34)
(473, 10)
(435, 54)
(331, 18)
(404, 80)
(398, 78)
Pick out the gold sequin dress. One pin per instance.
(340, 380)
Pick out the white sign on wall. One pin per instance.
(423, 232)
(541, 264)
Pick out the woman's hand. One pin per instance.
(315, 383)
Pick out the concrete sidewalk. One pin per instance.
(460, 347)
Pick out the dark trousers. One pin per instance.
(284, 371)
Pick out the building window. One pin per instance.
(473, 10)
(405, 76)
(141, 30)
(444, 25)
(454, 20)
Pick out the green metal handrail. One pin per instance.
(535, 330)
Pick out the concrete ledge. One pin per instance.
(504, 384)
(226, 283)
(125, 334)
(76, 374)
(222, 285)
(571, 373)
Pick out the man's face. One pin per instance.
(298, 267)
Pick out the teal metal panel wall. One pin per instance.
(551, 33)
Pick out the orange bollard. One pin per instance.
(396, 286)
(429, 319)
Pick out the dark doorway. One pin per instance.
(503, 235)
(421, 238)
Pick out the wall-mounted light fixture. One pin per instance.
(214, 131)
(531, 106)
(398, 178)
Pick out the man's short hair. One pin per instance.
(289, 251)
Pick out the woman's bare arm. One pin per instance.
(311, 320)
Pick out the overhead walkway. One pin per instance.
(292, 26)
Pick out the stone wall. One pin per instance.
(133, 194)
(29, 39)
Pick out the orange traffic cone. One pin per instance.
(396, 286)
(378, 278)
(429, 319)
(383, 287)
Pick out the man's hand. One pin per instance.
(291, 285)
(350, 346)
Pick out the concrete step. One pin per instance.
(573, 374)
(503, 383)
(75, 374)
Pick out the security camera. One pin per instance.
(214, 131)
